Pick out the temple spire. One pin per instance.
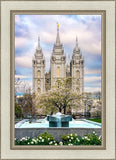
(58, 37)
(38, 42)
(68, 59)
(76, 47)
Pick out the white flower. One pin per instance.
(71, 134)
(50, 142)
(75, 134)
(77, 139)
(48, 138)
(69, 140)
(93, 132)
(67, 136)
(70, 144)
(40, 137)
(42, 140)
(31, 142)
(55, 144)
(28, 143)
(60, 143)
(71, 137)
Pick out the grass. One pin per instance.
(95, 120)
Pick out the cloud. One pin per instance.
(24, 61)
(17, 20)
(92, 89)
(20, 76)
(20, 42)
(92, 71)
(92, 79)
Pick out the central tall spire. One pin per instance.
(38, 43)
(58, 37)
(76, 47)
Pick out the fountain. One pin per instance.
(57, 125)
(59, 120)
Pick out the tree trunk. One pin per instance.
(60, 110)
(64, 110)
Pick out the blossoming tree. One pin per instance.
(60, 98)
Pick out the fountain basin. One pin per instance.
(81, 127)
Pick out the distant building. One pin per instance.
(43, 82)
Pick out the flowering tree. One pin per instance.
(60, 98)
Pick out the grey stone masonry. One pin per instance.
(56, 132)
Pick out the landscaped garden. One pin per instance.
(95, 120)
(69, 139)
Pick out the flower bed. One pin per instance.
(69, 139)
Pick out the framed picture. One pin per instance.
(58, 79)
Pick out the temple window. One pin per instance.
(78, 74)
(58, 71)
(38, 82)
(39, 73)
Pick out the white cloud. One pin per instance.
(92, 79)
(17, 20)
(20, 76)
(24, 61)
(92, 89)
(20, 42)
(92, 71)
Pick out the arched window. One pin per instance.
(78, 74)
(78, 90)
(38, 82)
(38, 73)
(58, 71)
(38, 89)
(78, 82)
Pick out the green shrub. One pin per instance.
(74, 139)
(43, 139)
(69, 139)
(23, 141)
(47, 138)
(91, 139)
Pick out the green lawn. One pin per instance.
(95, 120)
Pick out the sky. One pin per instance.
(87, 28)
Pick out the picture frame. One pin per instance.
(8, 10)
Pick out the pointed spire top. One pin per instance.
(38, 42)
(76, 40)
(76, 47)
(58, 37)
